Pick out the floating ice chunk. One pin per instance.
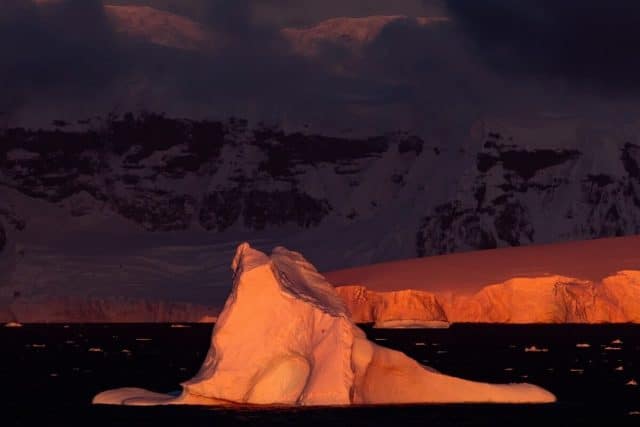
(13, 325)
(285, 337)
(619, 369)
(508, 369)
(632, 383)
(411, 324)
(617, 341)
(37, 345)
(125, 351)
(420, 344)
(611, 348)
(578, 371)
(95, 350)
(583, 345)
(534, 349)
(633, 413)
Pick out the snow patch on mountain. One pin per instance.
(349, 32)
(158, 27)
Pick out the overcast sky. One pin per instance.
(64, 59)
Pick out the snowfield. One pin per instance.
(285, 337)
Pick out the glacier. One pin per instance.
(285, 337)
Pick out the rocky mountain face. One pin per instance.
(165, 174)
(344, 201)
(520, 195)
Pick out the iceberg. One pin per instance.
(285, 337)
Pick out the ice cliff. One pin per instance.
(405, 308)
(286, 337)
(541, 299)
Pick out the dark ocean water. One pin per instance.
(49, 373)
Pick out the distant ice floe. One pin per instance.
(611, 348)
(632, 383)
(583, 345)
(420, 344)
(617, 341)
(264, 352)
(619, 369)
(95, 350)
(13, 325)
(36, 345)
(411, 324)
(578, 371)
(534, 349)
(634, 413)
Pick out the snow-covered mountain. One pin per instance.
(158, 27)
(352, 33)
(146, 205)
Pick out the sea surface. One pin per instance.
(49, 374)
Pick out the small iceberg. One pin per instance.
(95, 350)
(632, 383)
(617, 341)
(583, 345)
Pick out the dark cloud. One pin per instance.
(591, 44)
(70, 62)
(64, 60)
(62, 49)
